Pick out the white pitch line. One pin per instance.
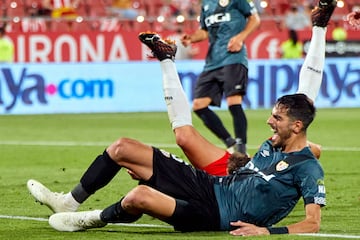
(70, 143)
(117, 224)
(53, 143)
(168, 226)
(326, 235)
(161, 145)
(23, 218)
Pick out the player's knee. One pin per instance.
(182, 136)
(200, 103)
(120, 148)
(138, 198)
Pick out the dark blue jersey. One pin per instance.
(224, 19)
(267, 155)
(264, 199)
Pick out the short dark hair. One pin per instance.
(2, 30)
(298, 107)
(236, 161)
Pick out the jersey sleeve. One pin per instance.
(247, 7)
(310, 180)
(202, 19)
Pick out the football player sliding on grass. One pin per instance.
(249, 201)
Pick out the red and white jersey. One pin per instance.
(60, 3)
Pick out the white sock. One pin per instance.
(311, 72)
(71, 202)
(179, 111)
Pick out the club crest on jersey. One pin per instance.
(282, 165)
(223, 3)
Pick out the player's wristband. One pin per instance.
(278, 230)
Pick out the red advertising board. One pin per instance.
(96, 46)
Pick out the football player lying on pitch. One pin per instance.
(125, 153)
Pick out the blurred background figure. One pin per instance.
(258, 6)
(292, 48)
(297, 17)
(6, 46)
(182, 7)
(183, 52)
(339, 33)
(354, 17)
(62, 9)
(225, 26)
(123, 14)
(123, 9)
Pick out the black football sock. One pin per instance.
(116, 214)
(213, 122)
(99, 174)
(240, 125)
(79, 194)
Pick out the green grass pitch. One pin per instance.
(56, 149)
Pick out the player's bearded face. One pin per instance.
(280, 126)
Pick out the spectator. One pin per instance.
(354, 18)
(183, 7)
(123, 9)
(40, 9)
(64, 9)
(6, 47)
(258, 7)
(339, 32)
(292, 48)
(297, 18)
(152, 8)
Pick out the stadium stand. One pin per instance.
(95, 15)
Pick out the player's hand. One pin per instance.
(185, 40)
(247, 229)
(235, 44)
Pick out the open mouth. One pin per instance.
(275, 135)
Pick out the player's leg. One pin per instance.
(183, 215)
(124, 152)
(212, 121)
(141, 199)
(235, 78)
(311, 72)
(199, 151)
(208, 92)
(239, 122)
(197, 209)
(97, 175)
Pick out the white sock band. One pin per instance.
(179, 111)
(70, 201)
(311, 72)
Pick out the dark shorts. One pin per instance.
(229, 80)
(192, 189)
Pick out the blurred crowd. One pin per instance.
(136, 15)
(54, 15)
